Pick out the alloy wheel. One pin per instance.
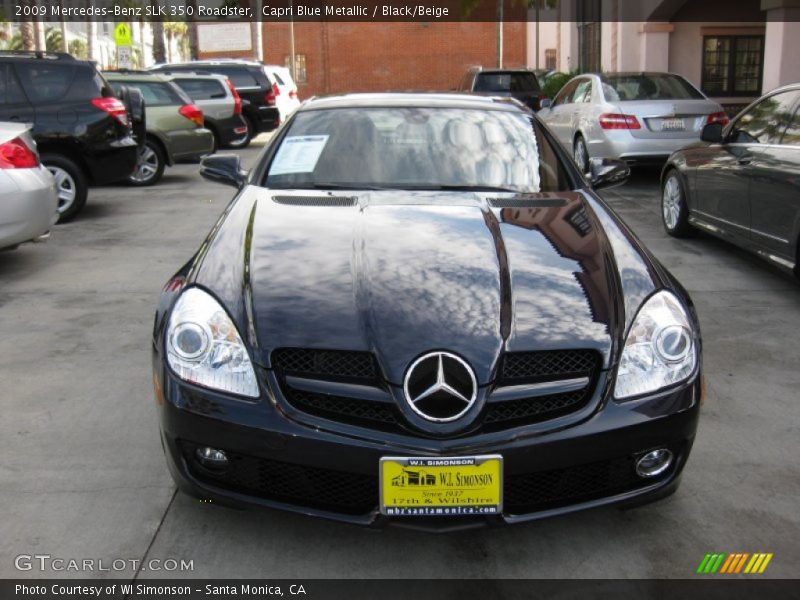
(65, 188)
(146, 165)
(671, 201)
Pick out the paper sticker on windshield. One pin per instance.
(298, 154)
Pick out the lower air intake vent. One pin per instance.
(316, 200)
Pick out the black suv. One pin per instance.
(253, 83)
(82, 130)
(520, 84)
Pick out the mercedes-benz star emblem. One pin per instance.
(440, 387)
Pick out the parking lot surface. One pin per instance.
(82, 474)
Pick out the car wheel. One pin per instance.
(581, 154)
(71, 186)
(674, 210)
(149, 165)
(243, 141)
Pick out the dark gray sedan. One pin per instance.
(741, 182)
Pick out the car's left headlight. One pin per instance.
(660, 350)
(204, 347)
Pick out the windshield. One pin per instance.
(648, 87)
(416, 148)
(507, 82)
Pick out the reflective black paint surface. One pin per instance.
(401, 273)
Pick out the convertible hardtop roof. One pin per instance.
(413, 100)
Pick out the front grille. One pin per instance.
(357, 494)
(532, 492)
(325, 363)
(540, 366)
(324, 489)
(362, 368)
(532, 409)
(338, 408)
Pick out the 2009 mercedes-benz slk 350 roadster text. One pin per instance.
(417, 310)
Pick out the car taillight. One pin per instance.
(17, 155)
(271, 96)
(193, 113)
(718, 117)
(114, 107)
(293, 94)
(619, 121)
(237, 99)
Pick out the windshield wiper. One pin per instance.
(467, 188)
(342, 186)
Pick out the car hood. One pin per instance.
(403, 273)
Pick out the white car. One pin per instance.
(29, 206)
(286, 100)
(636, 117)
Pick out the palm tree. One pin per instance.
(63, 25)
(53, 40)
(174, 30)
(159, 54)
(77, 48)
(5, 28)
(192, 29)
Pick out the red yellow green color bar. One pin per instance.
(737, 562)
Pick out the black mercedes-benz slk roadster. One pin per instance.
(416, 310)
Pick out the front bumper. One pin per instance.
(280, 463)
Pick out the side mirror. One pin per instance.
(223, 168)
(608, 172)
(545, 103)
(712, 133)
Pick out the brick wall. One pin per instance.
(371, 57)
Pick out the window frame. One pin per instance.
(731, 75)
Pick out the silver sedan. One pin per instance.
(636, 117)
(29, 204)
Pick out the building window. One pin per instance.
(733, 65)
(300, 75)
(550, 59)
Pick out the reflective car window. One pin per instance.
(565, 95)
(583, 92)
(416, 148)
(522, 81)
(45, 82)
(791, 136)
(155, 93)
(765, 122)
(202, 89)
(10, 92)
(642, 86)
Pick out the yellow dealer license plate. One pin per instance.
(443, 486)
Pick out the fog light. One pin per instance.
(654, 463)
(211, 457)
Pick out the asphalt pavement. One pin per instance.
(82, 474)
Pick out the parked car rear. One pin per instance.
(221, 105)
(637, 117)
(253, 83)
(82, 130)
(29, 204)
(287, 99)
(175, 125)
(520, 84)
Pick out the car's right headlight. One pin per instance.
(204, 347)
(660, 350)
